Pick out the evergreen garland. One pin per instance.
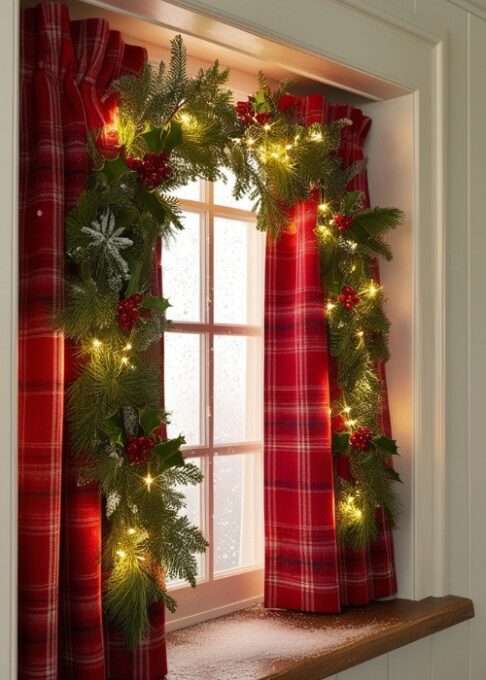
(172, 129)
(281, 161)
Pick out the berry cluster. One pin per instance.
(245, 112)
(287, 103)
(348, 297)
(138, 448)
(343, 222)
(152, 170)
(360, 439)
(128, 311)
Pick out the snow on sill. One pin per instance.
(262, 644)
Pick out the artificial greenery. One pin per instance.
(171, 129)
(280, 161)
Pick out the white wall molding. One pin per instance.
(8, 336)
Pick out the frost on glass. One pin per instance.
(194, 512)
(181, 271)
(190, 191)
(182, 382)
(238, 263)
(237, 389)
(223, 194)
(238, 503)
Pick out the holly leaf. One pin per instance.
(150, 419)
(173, 137)
(340, 443)
(152, 204)
(114, 428)
(260, 103)
(153, 139)
(385, 444)
(169, 453)
(113, 169)
(392, 474)
(158, 304)
(352, 199)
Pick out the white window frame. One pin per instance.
(232, 589)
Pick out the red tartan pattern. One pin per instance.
(65, 71)
(304, 568)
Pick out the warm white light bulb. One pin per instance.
(96, 343)
(131, 531)
(121, 553)
(149, 480)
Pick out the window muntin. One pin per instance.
(213, 277)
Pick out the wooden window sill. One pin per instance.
(260, 644)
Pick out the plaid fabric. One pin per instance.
(65, 70)
(304, 568)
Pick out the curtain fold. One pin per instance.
(305, 569)
(66, 68)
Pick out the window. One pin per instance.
(213, 277)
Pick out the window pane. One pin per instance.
(238, 272)
(237, 389)
(182, 360)
(194, 512)
(223, 194)
(191, 191)
(238, 511)
(181, 269)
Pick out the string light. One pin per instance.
(250, 141)
(316, 136)
(372, 290)
(121, 554)
(96, 343)
(351, 423)
(330, 306)
(149, 480)
(323, 207)
(323, 231)
(127, 347)
(267, 127)
(124, 360)
(347, 409)
(131, 531)
(187, 120)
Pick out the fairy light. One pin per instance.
(127, 347)
(347, 409)
(149, 480)
(187, 119)
(267, 127)
(250, 141)
(96, 343)
(372, 290)
(323, 231)
(124, 361)
(131, 531)
(351, 423)
(323, 207)
(330, 306)
(141, 558)
(121, 554)
(316, 136)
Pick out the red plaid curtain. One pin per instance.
(305, 569)
(66, 68)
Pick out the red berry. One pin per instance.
(360, 439)
(348, 297)
(343, 222)
(137, 298)
(263, 117)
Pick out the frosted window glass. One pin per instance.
(223, 194)
(238, 511)
(237, 389)
(190, 192)
(181, 271)
(182, 359)
(238, 256)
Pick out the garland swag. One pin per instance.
(171, 129)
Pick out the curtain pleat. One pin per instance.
(66, 68)
(305, 569)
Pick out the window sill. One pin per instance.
(259, 644)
